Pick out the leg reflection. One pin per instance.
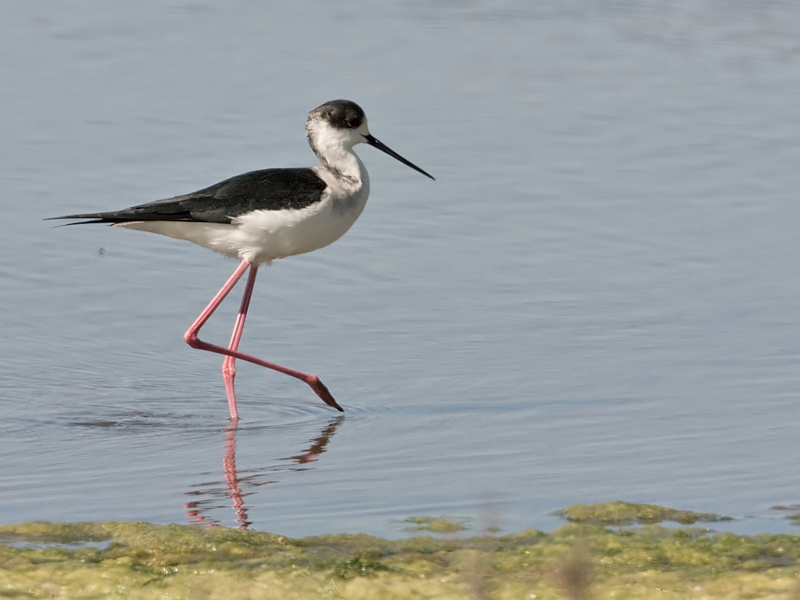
(237, 485)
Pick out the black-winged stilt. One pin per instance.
(268, 214)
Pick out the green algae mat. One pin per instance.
(614, 550)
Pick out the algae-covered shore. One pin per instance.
(613, 550)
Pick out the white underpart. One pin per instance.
(264, 235)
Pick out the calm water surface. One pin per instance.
(596, 300)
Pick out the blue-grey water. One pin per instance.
(598, 299)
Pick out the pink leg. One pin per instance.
(233, 353)
(229, 364)
(191, 334)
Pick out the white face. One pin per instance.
(339, 123)
(336, 126)
(363, 131)
(326, 138)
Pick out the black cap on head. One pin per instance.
(342, 114)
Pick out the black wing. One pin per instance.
(267, 189)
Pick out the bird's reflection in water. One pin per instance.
(238, 485)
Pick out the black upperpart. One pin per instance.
(267, 189)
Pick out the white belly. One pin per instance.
(262, 236)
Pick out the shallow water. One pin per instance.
(597, 298)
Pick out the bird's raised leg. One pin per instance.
(233, 353)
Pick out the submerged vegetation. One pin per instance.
(435, 524)
(628, 513)
(613, 550)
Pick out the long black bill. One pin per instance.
(376, 143)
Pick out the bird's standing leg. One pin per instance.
(228, 369)
(229, 364)
(233, 353)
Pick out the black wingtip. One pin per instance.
(89, 220)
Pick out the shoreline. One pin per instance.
(615, 549)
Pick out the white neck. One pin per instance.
(334, 148)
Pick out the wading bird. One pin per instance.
(267, 214)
